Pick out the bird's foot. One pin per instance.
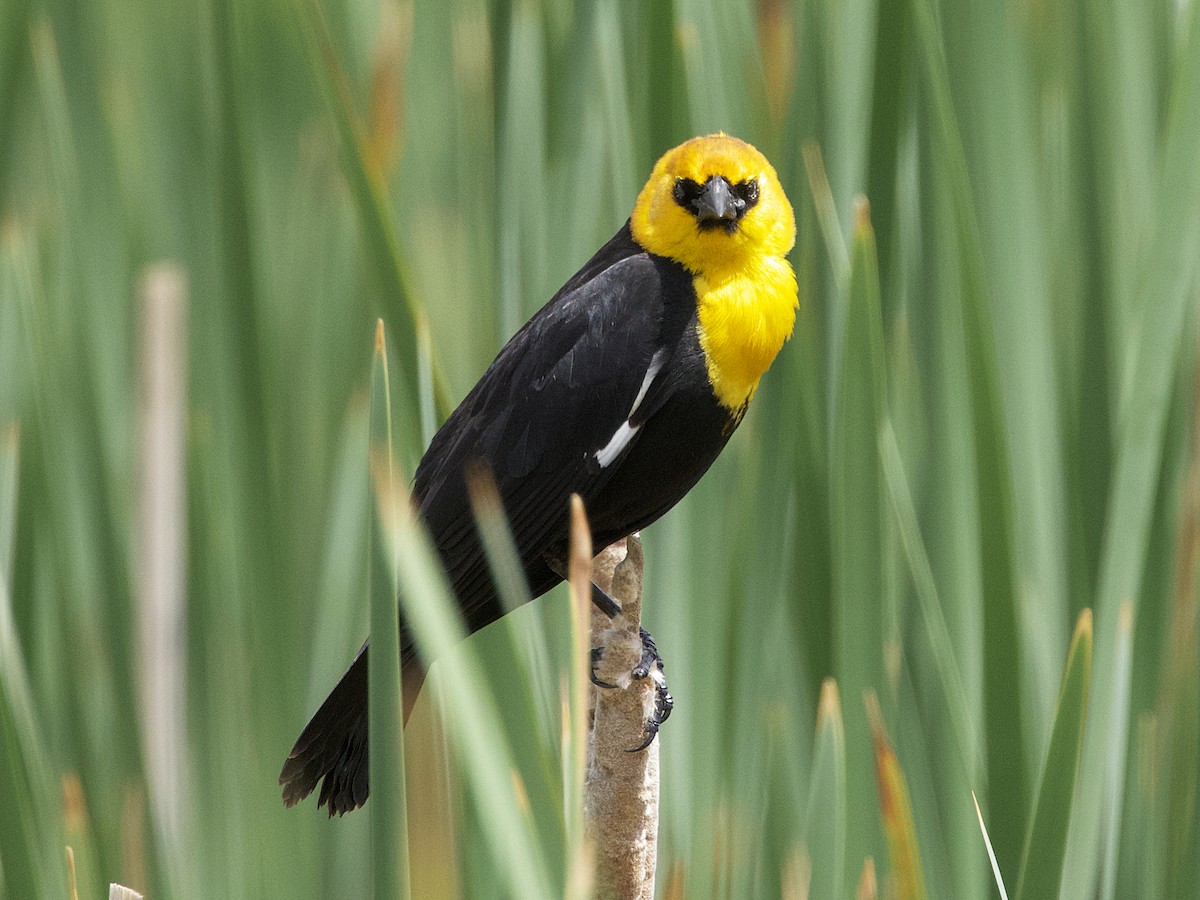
(650, 665)
(597, 655)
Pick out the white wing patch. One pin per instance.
(619, 441)
(623, 435)
(656, 364)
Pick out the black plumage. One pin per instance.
(553, 399)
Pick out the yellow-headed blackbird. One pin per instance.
(623, 389)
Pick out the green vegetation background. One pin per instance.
(985, 423)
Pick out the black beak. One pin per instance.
(716, 203)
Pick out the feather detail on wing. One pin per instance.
(557, 410)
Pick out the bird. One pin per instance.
(622, 389)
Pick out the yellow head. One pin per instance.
(715, 205)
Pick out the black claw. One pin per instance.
(663, 705)
(650, 661)
(597, 655)
(663, 701)
(651, 732)
(650, 657)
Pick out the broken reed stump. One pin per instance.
(621, 788)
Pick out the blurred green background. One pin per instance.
(985, 423)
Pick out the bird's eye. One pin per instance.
(748, 191)
(686, 191)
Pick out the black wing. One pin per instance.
(554, 396)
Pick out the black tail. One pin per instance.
(333, 746)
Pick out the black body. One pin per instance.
(554, 396)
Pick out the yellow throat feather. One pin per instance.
(745, 288)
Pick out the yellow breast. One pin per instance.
(743, 319)
(745, 288)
